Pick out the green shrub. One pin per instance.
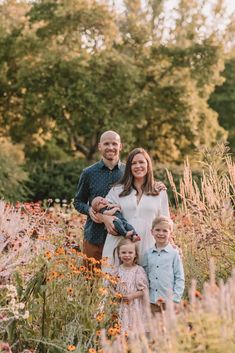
(12, 174)
(55, 180)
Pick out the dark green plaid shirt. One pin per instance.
(95, 180)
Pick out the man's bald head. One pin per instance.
(110, 134)
(110, 147)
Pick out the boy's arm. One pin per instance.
(145, 264)
(179, 281)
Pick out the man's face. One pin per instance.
(110, 147)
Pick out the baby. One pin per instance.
(101, 205)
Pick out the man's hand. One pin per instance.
(94, 216)
(108, 222)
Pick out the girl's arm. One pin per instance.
(133, 295)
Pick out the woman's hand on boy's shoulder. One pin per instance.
(160, 186)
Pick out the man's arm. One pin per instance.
(82, 197)
(82, 194)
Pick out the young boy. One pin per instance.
(100, 204)
(163, 266)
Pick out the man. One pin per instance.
(97, 180)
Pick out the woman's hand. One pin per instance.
(111, 211)
(159, 186)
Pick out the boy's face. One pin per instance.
(161, 233)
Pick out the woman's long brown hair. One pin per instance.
(127, 180)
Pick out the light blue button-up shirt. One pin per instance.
(165, 273)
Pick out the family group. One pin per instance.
(128, 222)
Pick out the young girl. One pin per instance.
(132, 284)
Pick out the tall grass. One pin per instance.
(205, 325)
(204, 219)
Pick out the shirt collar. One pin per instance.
(103, 165)
(167, 248)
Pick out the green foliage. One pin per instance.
(55, 180)
(12, 174)
(102, 69)
(223, 101)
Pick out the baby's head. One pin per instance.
(162, 228)
(98, 203)
(127, 252)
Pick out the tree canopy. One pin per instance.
(71, 69)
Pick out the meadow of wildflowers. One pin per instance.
(50, 302)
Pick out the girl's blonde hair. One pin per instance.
(126, 241)
(162, 219)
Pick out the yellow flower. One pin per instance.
(71, 348)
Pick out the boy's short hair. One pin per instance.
(163, 219)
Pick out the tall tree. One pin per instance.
(223, 101)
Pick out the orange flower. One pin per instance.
(103, 291)
(69, 290)
(91, 350)
(160, 301)
(71, 348)
(48, 254)
(98, 332)
(112, 331)
(198, 294)
(100, 317)
(60, 251)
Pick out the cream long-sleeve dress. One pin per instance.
(139, 215)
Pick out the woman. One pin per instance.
(140, 202)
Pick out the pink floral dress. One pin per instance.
(132, 279)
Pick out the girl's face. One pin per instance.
(127, 254)
(139, 166)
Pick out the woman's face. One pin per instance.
(139, 166)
